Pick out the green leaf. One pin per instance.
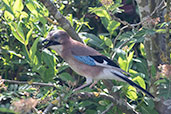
(48, 75)
(129, 61)
(8, 16)
(160, 81)
(6, 2)
(140, 81)
(28, 36)
(70, 18)
(131, 46)
(16, 54)
(131, 93)
(18, 32)
(7, 5)
(126, 36)
(108, 42)
(122, 63)
(30, 5)
(100, 11)
(48, 58)
(112, 26)
(130, 57)
(35, 60)
(93, 39)
(23, 15)
(142, 50)
(66, 77)
(105, 21)
(18, 5)
(33, 48)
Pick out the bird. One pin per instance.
(86, 61)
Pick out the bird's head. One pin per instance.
(55, 39)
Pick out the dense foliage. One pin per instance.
(24, 24)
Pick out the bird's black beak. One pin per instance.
(46, 43)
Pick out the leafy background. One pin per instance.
(24, 24)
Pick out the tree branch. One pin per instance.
(29, 83)
(168, 26)
(63, 22)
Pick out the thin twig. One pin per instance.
(108, 109)
(148, 17)
(51, 105)
(116, 38)
(29, 83)
(141, 22)
(118, 102)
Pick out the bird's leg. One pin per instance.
(93, 84)
(88, 82)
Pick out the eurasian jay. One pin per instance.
(86, 61)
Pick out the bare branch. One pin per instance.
(29, 83)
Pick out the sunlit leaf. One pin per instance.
(131, 93)
(16, 54)
(18, 5)
(17, 32)
(131, 46)
(130, 57)
(142, 49)
(7, 5)
(23, 15)
(8, 15)
(112, 26)
(28, 36)
(30, 5)
(122, 63)
(140, 81)
(101, 12)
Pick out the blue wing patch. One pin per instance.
(86, 60)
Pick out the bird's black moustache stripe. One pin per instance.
(48, 43)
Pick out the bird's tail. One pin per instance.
(133, 84)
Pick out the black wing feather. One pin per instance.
(101, 58)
